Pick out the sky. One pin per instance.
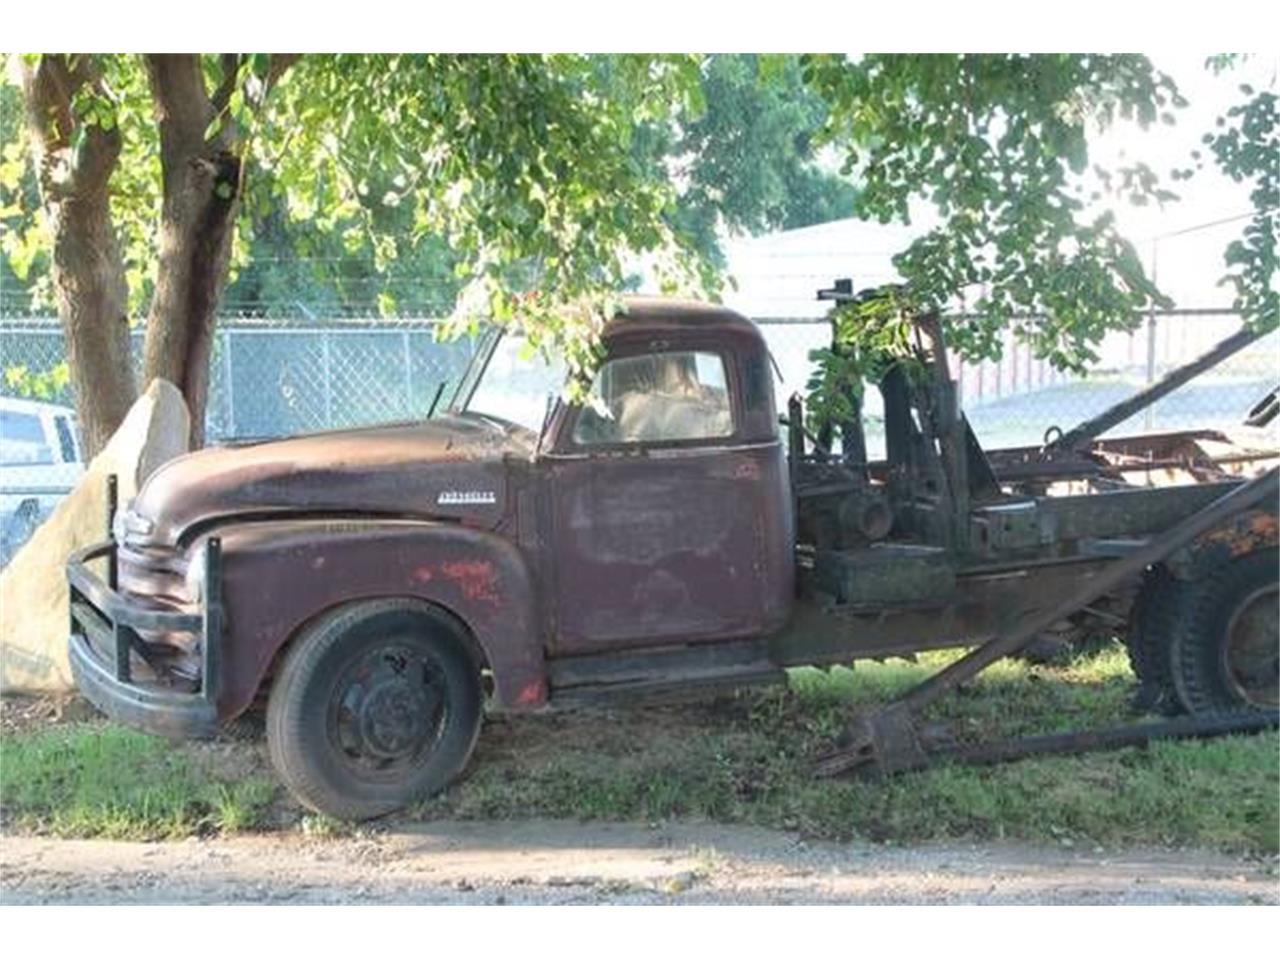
(1182, 243)
(1209, 196)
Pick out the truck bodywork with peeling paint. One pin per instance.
(577, 568)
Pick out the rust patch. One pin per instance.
(532, 693)
(423, 575)
(1248, 533)
(476, 579)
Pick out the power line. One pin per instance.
(1211, 223)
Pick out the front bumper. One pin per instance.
(104, 620)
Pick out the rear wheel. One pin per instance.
(1152, 622)
(1225, 654)
(376, 705)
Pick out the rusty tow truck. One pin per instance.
(373, 588)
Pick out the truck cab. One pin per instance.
(660, 508)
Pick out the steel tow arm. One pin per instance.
(888, 739)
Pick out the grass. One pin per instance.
(746, 759)
(106, 781)
(743, 758)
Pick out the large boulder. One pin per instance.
(33, 587)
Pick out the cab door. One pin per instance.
(655, 507)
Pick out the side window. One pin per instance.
(657, 397)
(65, 441)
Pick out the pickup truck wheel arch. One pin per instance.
(280, 576)
(462, 633)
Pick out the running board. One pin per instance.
(662, 688)
(612, 667)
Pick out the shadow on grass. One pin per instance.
(746, 758)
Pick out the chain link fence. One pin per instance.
(1014, 400)
(278, 376)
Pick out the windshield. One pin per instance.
(515, 383)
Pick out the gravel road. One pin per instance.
(574, 863)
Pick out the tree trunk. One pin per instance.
(88, 275)
(201, 182)
(88, 271)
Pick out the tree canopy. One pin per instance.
(519, 187)
(745, 163)
(998, 145)
(522, 165)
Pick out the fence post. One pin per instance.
(1000, 368)
(328, 378)
(408, 373)
(1148, 415)
(228, 383)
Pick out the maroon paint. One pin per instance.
(398, 470)
(281, 574)
(669, 545)
(648, 543)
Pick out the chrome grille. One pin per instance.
(155, 577)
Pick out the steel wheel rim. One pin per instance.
(1251, 653)
(387, 711)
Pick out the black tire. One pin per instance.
(1225, 655)
(377, 704)
(1152, 621)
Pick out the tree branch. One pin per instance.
(230, 73)
(49, 91)
(279, 63)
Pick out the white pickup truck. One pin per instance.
(39, 464)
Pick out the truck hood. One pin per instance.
(452, 466)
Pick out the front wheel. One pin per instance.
(376, 705)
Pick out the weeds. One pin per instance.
(747, 759)
(105, 781)
(744, 758)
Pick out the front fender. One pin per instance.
(280, 574)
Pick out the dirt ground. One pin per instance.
(574, 863)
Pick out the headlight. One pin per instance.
(195, 575)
